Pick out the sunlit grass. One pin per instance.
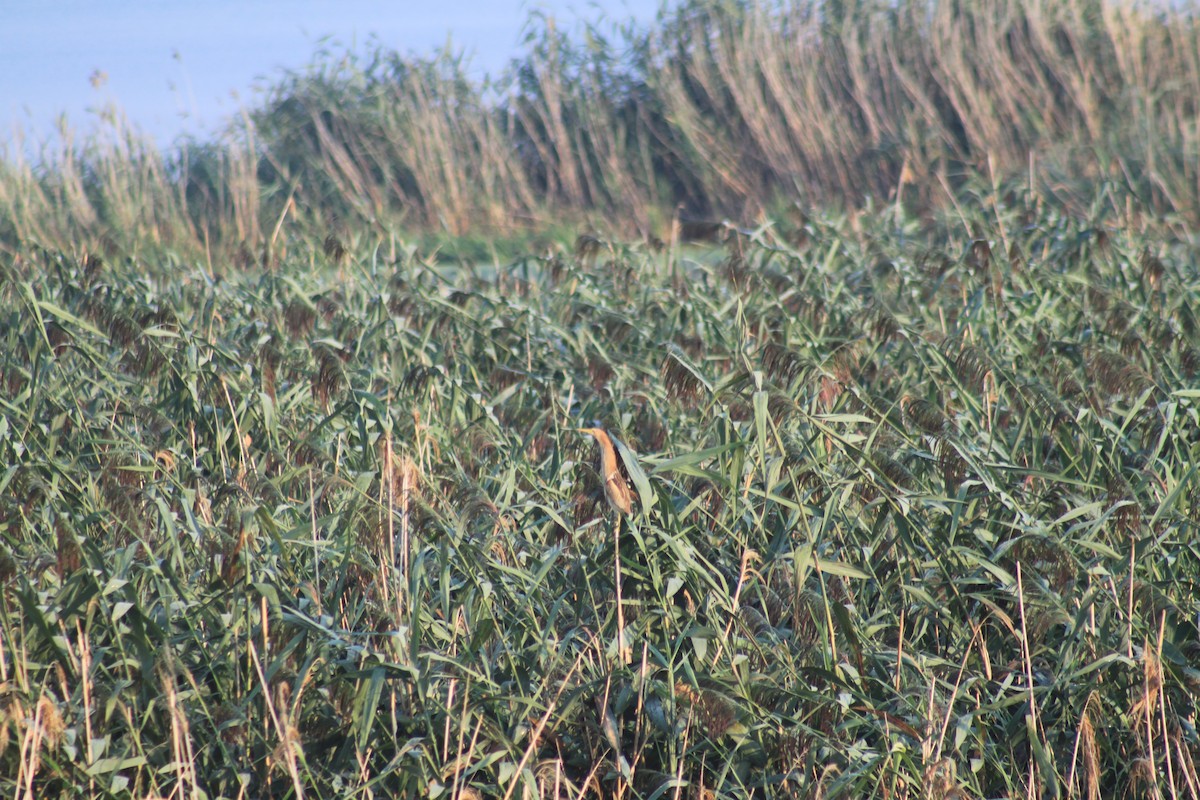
(716, 109)
(916, 517)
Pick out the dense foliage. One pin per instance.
(918, 516)
(718, 107)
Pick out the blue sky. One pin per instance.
(179, 66)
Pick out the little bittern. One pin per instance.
(620, 498)
(615, 487)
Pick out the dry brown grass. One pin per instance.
(719, 109)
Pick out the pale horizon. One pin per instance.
(176, 70)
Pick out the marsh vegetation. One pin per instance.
(296, 501)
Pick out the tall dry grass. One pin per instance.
(116, 190)
(719, 108)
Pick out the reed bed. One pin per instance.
(915, 515)
(717, 109)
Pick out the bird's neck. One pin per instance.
(608, 457)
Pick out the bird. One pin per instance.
(621, 499)
(616, 490)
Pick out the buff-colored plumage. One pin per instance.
(615, 487)
(621, 499)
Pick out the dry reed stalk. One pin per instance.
(288, 735)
